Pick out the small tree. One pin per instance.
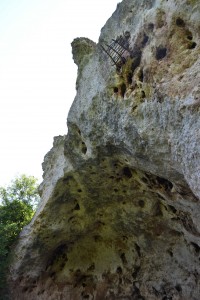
(22, 188)
(18, 203)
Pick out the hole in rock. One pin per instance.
(159, 98)
(79, 132)
(172, 208)
(190, 37)
(196, 247)
(155, 291)
(141, 203)
(62, 266)
(129, 78)
(21, 278)
(151, 26)
(41, 292)
(59, 253)
(141, 75)
(99, 224)
(178, 288)
(79, 191)
(122, 89)
(134, 108)
(77, 207)
(157, 210)
(92, 267)
(137, 248)
(84, 148)
(52, 275)
(136, 61)
(145, 40)
(115, 90)
(143, 94)
(192, 45)
(127, 172)
(180, 22)
(71, 218)
(123, 258)
(161, 52)
(97, 238)
(81, 279)
(145, 180)
(136, 271)
(165, 183)
(119, 270)
(137, 294)
(170, 253)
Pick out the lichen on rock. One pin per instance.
(119, 216)
(82, 49)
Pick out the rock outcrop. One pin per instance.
(119, 216)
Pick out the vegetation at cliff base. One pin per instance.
(18, 202)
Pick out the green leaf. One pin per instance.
(18, 203)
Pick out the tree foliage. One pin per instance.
(18, 203)
(23, 188)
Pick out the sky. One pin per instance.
(38, 75)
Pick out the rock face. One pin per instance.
(119, 216)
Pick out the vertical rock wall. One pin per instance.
(119, 216)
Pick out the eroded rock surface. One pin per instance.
(119, 217)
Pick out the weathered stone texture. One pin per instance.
(119, 217)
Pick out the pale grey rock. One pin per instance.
(119, 217)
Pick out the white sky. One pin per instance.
(37, 75)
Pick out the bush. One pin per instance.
(18, 203)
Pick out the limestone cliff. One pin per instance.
(119, 216)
